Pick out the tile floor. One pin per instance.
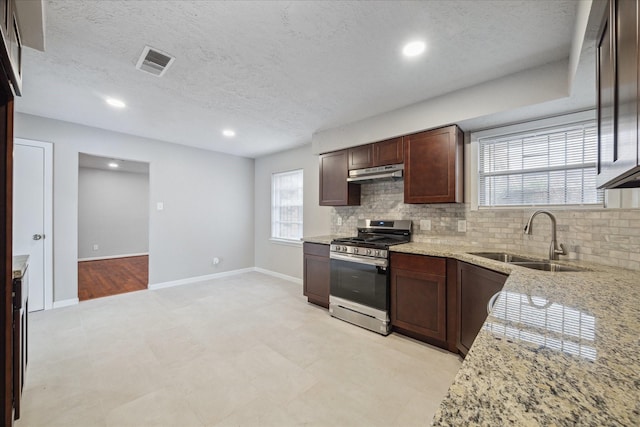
(245, 350)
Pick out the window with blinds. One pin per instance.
(550, 166)
(286, 205)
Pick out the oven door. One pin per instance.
(361, 280)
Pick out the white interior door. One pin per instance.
(32, 216)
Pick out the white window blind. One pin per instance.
(286, 205)
(550, 166)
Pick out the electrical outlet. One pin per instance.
(462, 225)
(160, 206)
(339, 220)
(95, 247)
(425, 224)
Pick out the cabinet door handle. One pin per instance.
(492, 302)
(37, 237)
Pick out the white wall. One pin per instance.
(317, 219)
(113, 213)
(529, 87)
(208, 202)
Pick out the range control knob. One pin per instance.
(344, 249)
(368, 251)
(377, 253)
(355, 250)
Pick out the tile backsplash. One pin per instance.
(604, 236)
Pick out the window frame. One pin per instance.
(524, 127)
(278, 239)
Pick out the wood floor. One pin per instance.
(112, 276)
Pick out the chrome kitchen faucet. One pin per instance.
(554, 251)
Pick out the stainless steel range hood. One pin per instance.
(380, 173)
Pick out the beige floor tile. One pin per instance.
(55, 405)
(217, 400)
(333, 404)
(159, 408)
(418, 411)
(246, 350)
(258, 412)
(283, 385)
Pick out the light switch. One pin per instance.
(339, 220)
(425, 224)
(160, 206)
(462, 225)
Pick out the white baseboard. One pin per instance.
(196, 279)
(278, 275)
(65, 302)
(98, 258)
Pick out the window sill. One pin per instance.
(286, 242)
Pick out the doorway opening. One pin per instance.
(113, 226)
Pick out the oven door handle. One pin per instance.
(378, 262)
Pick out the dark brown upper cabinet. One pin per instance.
(389, 152)
(433, 166)
(617, 91)
(334, 188)
(361, 157)
(10, 30)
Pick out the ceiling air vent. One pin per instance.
(154, 61)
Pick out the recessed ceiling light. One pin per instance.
(113, 165)
(229, 133)
(414, 48)
(115, 103)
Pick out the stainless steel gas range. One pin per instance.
(359, 290)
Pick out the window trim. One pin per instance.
(283, 240)
(286, 242)
(529, 126)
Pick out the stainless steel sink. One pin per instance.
(503, 256)
(526, 262)
(546, 266)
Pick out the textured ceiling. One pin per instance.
(275, 71)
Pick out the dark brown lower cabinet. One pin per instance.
(316, 273)
(20, 325)
(419, 297)
(476, 286)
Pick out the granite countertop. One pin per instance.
(558, 348)
(20, 263)
(325, 240)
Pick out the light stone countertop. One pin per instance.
(20, 264)
(558, 349)
(324, 240)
